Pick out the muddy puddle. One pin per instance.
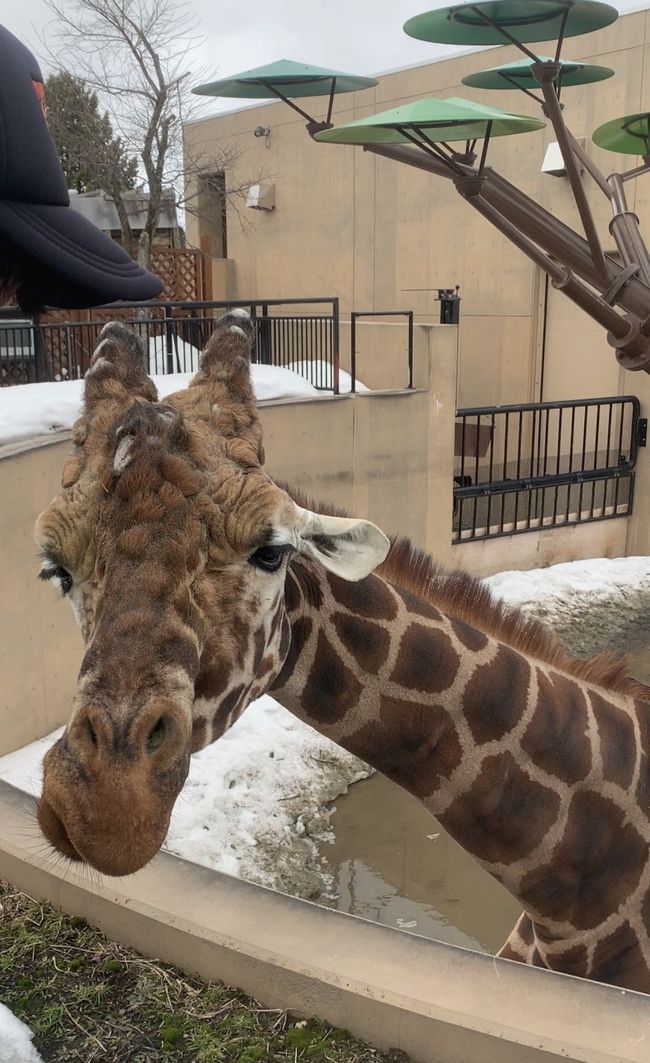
(393, 863)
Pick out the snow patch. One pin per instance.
(29, 410)
(588, 604)
(184, 356)
(256, 804)
(321, 373)
(16, 1040)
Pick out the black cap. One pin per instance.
(75, 264)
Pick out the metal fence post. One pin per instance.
(410, 347)
(169, 348)
(39, 350)
(335, 344)
(353, 350)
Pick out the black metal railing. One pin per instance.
(17, 349)
(544, 465)
(305, 340)
(354, 317)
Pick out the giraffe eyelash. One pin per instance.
(60, 573)
(270, 556)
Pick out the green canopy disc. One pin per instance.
(519, 75)
(284, 78)
(629, 134)
(443, 120)
(525, 20)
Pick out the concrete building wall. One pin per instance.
(385, 236)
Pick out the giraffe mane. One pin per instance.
(465, 598)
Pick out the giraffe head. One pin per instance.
(172, 544)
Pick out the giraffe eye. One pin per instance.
(59, 573)
(269, 558)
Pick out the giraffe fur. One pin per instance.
(199, 583)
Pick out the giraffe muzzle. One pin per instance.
(108, 792)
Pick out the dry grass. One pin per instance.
(89, 1000)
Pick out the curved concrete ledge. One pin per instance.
(437, 1002)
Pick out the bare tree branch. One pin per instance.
(134, 55)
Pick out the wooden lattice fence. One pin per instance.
(184, 271)
(186, 275)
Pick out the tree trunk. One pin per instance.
(144, 250)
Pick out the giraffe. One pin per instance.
(199, 583)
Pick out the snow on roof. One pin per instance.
(99, 208)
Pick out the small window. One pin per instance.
(212, 214)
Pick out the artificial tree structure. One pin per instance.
(441, 137)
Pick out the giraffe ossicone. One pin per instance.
(199, 584)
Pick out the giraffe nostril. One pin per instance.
(157, 734)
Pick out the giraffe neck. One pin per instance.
(534, 772)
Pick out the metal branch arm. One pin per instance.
(562, 253)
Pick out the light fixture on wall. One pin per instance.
(553, 163)
(263, 131)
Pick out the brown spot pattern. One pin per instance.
(312, 593)
(426, 660)
(367, 642)
(419, 606)
(199, 734)
(228, 705)
(212, 681)
(260, 646)
(573, 960)
(556, 739)
(504, 815)
(331, 688)
(369, 597)
(643, 716)
(618, 960)
(266, 667)
(240, 636)
(617, 741)
(470, 637)
(291, 592)
(524, 930)
(300, 632)
(594, 868)
(414, 745)
(496, 695)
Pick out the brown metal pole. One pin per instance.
(561, 276)
(546, 74)
(538, 224)
(624, 227)
(564, 244)
(589, 165)
(627, 335)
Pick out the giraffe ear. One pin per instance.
(347, 547)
